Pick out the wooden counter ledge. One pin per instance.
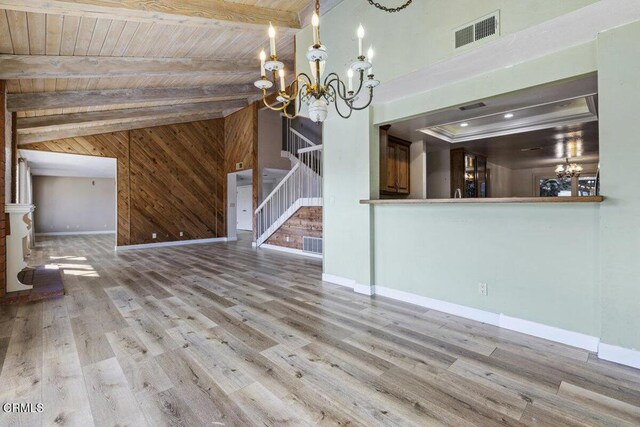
(584, 199)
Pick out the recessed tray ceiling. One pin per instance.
(544, 116)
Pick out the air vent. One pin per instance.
(483, 28)
(312, 244)
(472, 106)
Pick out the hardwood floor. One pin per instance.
(223, 334)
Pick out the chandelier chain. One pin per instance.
(389, 9)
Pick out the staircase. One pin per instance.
(302, 186)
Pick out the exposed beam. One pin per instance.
(94, 98)
(42, 67)
(209, 13)
(31, 125)
(25, 140)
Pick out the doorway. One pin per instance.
(240, 199)
(73, 194)
(244, 197)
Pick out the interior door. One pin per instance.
(244, 208)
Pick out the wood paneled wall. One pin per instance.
(241, 138)
(307, 221)
(177, 182)
(173, 178)
(241, 145)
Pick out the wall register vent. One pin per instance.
(312, 244)
(483, 28)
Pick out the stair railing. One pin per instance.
(302, 186)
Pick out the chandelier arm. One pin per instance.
(271, 107)
(335, 103)
(342, 94)
(309, 82)
(339, 83)
(368, 103)
(356, 93)
(340, 112)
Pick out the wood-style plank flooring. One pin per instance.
(223, 334)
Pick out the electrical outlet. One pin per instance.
(154, 235)
(286, 238)
(483, 289)
(181, 233)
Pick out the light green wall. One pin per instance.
(422, 34)
(542, 263)
(575, 61)
(619, 94)
(539, 261)
(347, 252)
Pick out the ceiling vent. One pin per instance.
(483, 28)
(472, 106)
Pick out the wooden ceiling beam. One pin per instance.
(94, 98)
(210, 13)
(43, 124)
(31, 138)
(43, 67)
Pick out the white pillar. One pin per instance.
(22, 181)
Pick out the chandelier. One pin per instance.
(568, 170)
(312, 90)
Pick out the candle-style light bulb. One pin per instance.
(282, 85)
(272, 40)
(360, 37)
(350, 79)
(370, 59)
(263, 57)
(315, 22)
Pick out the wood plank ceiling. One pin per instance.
(68, 58)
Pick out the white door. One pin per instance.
(245, 208)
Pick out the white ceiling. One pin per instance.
(43, 163)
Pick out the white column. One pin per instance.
(22, 181)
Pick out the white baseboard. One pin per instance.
(349, 283)
(438, 305)
(289, 250)
(539, 330)
(550, 333)
(337, 280)
(621, 355)
(359, 288)
(75, 233)
(174, 243)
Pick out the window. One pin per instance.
(561, 187)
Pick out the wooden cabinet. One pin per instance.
(468, 174)
(394, 164)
